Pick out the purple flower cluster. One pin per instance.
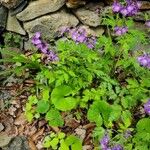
(127, 134)
(117, 147)
(147, 107)
(144, 60)
(130, 9)
(43, 47)
(147, 23)
(105, 144)
(120, 30)
(79, 35)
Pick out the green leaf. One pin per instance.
(63, 145)
(54, 142)
(54, 118)
(45, 94)
(126, 118)
(29, 116)
(61, 135)
(47, 141)
(93, 113)
(43, 106)
(73, 142)
(143, 125)
(115, 113)
(61, 99)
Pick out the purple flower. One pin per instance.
(120, 30)
(128, 2)
(144, 60)
(78, 35)
(147, 107)
(116, 7)
(124, 11)
(139, 4)
(117, 147)
(64, 30)
(90, 42)
(130, 9)
(104, 142)
(124, 30)
(36, 38)
(127, 134)
(51, 56)
(147, 23)
(43, 47)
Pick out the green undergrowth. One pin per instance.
(106, 82)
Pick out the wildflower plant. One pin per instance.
(104, 76)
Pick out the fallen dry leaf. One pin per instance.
(20, 120)
(37, 134)
(32, 144)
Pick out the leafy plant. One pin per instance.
(105, 80)
(70, 142)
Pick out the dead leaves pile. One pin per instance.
(14, 122)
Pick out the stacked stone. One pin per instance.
(48, 16)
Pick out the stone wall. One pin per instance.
(48, 16)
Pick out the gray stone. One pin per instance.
(49, 25)
(95, 31)
(81, 133)
(17, 143)
(1, 127)
(75, 4)
(9, 3)
(143, 28)
(18, 7)
(145, 5)
(140, 16)
(14, 25)
(3, 17)
(4, 139)
(39, 8)
(90, 14)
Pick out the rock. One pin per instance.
(81, 133)
(75, 3)
(18, 7)
(145, 5)
(87, 147)
(5, 96)
(39, 8)
(15, 6)
(17, 143)
(88, 15)
(9, 3)
(140, 16)
(4, 139)
(139, 46)
(97, 31)
(14, 26)
(141, 26)
(3, 17)
(1, 127)
(49, 25)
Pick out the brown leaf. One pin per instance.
(37, 134)
(20, 120)
(72, 123)
(32, 144)
(55, 129)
